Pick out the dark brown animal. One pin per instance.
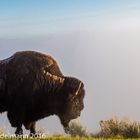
(33, 87)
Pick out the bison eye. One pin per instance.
(77, 102)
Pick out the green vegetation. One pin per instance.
(73, 138)
(115, 128)
(76, 129)
(111, 129)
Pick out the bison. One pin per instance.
(33, 87)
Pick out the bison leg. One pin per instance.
(19, 130)
(12, 119)
(15, 119)
(32, 128)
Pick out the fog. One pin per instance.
(108, 62)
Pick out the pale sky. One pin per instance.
(97, 41)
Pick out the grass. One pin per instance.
(78, 138)
(112, 129)
(72, 138)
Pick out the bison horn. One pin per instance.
(54, 77)
(78, 89)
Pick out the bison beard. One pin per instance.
(32, 87)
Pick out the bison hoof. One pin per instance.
(19, 134)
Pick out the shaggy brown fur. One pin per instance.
(3, 96)
(32, 87)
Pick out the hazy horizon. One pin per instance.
(95, 41)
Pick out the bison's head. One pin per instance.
(68, 100)
(73, 104)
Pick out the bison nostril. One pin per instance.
(66, 130)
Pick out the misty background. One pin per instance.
(95, 41)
